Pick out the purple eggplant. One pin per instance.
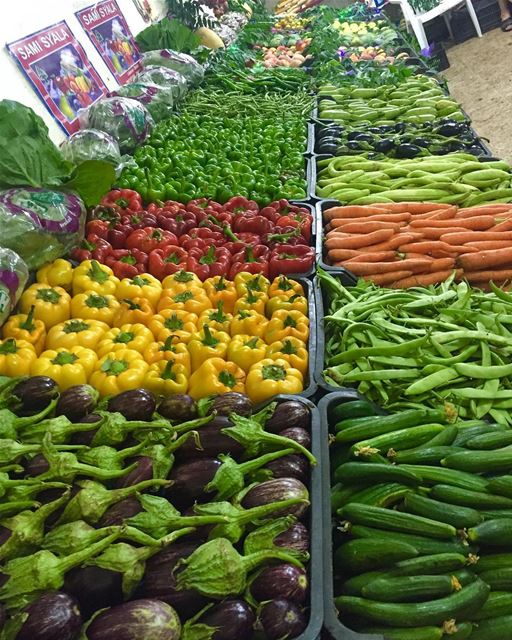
(86, 437)
(35, 393)
(288, 414)
(231, 619)
(53, 615)
(135, 620)
(232, 402)
(278, 489)
(94, 588)
(189, 482)
(280, 533)
(281, 581)
(297, 434)
(282, 620)
(213, 442)
(178, 408)
(117, 513)
(136, 404)
(296, 537)
(291, 466)
(77, 402)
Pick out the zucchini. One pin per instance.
(401, 439)
(493, 629)
(502, 485)
(363, 554)
(466, 498)
(410, 588)
(480, 461)
(438, 475)
(382, 495)
(397, 633)
(488, 441)
(353, 409)
(396, 521)
(492, 561)
(467, 433)
(492, 533)
(498, 579)
(372, 472)
(499, 603)
(410, 614)
(425, 455)
(457, 630)
(363, 428)
(458, 517)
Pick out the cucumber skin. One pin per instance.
(498, 579)
(501, 485)
(383, 495)
(480, 461)
(445, 438)
(492, 533)
(490, 441)
(458, 517)
(499, 603)
(383, 424)
(370, 471)
(425, 455)
(418, 633)
(353, 409)
(464, 631)
(491, 514)
(400, 438)
(465, 435)
(493, 562)
(362, 554)
(497, 628)
(409, 588)
(474, 499)
(438, 475)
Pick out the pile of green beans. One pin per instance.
(422, 346)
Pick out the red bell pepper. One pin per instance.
(166, 261)
(243, 240)
(150, 238)
(286, 259)
(98, 227)
(105, 213)
(238, 204)
(215, 261)
(126, 199)
(252, 223)
(298, 217)
(285, 235)
(177, 222)
(139, 220)
(118, 235)
(83, 251)
(210, 237)
(126, 263)
(253, 259)
(217, 218)
(270, 213)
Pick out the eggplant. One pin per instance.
(407, 150)
(328, 148)
(456, 145)
(296, 537)
(179, 407)
(290, 413)
(352, 135)
(297, 434)
(354, 145)
(135, 620)
(136, 404)
(143, 471)
(189, 481)
(475, 150)
(94, 588)
(231, 619)
(213, 442)
(117, 513)
(281, 581)
(275, 490)
(232, 402)
(291, 466)
(449, 129)
(37, 465)
(86, 437)
(421, 142)
(35, 393)
(77, 402)
(53, 615)
(282, 619)
(159, 580)
(364, 137)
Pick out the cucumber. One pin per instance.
(354, 586)
(425, 455)
(437, 475)
(363, 554)
(480, 461)
(502, 485)
(467, 433)
(492, 533)
(493, 561)
(499, 603)
(341, 494)
(363, 428)
(498, 579)
(491, 514)
(338, 455)
(493, 629)
(382, 495)
(396, 521)
(353, 409)
(417, 633)
(458, 630)
(370, 472)
(445, 437)
(466, 498)
(410, 588)
(458, 517)
(464, 576)
(488, 441)
(401, 439)
(410, 614)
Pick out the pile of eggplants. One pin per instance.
(138, 517)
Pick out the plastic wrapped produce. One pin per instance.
(158, 100)
(91, 144)
(126, 119)
(13, 278)
(189, 68)
(165, 78)
(39, 224)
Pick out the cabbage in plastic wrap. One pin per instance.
(13, 278)
(91, 144)
(125, 119)
(158, 100)
(164, 78)
(189, 68)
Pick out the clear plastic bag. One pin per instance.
(39, 224)
(91, 144)
(13, 278)
(125, 119)
(165, 78)
(158, 100)
(189, 68)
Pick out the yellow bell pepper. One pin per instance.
(216, 376)
(249, 323)
(208, 343)
(180, 281)
(284, 286)
(252, 300)
(86, 333)
(119, 371)
(58, 273)
(167, 378)
(66, 366)
(254, 281)
(216, 319)
(25, 327)
(90, 275)
(92, 306)
(269, 377)
(245, 351)
(51, 304)
(292, 350)
(193, 300)
(284, 324)
(143, 286)
(127, 336)
(218, 289)
(170, 349)
(288, 303)
(16, 357)
(133, 311)
(173, 322)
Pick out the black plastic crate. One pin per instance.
(310, 385)
(346, 277)
(462, 27)
(436, 30)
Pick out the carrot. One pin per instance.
(375, 256)
(341, 255)
(358, 241)
(388, 278)
(376, 268)
(480, 223)
(503, 225)
(475, 236)
(368, 227)
(436, 249)
(441, 264)
(435, 234)
(331, 241)
(352, 211)
(490, 244)
(424, 280)
(489, 209)
(438, 214)
(415, 208)
(378, 217)
(486, 259)
(487, 276)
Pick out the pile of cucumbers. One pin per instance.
(422, 514)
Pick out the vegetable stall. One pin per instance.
(255, 344)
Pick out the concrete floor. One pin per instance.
(479, 78)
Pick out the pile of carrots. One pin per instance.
(408, 244)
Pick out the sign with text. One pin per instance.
(56, 65)
(106, 27)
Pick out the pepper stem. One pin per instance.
(28, 324)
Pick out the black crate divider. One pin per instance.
(346, 277)
(310, 386)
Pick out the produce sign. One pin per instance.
(143, 512)
(60, 72)
(107, 29)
